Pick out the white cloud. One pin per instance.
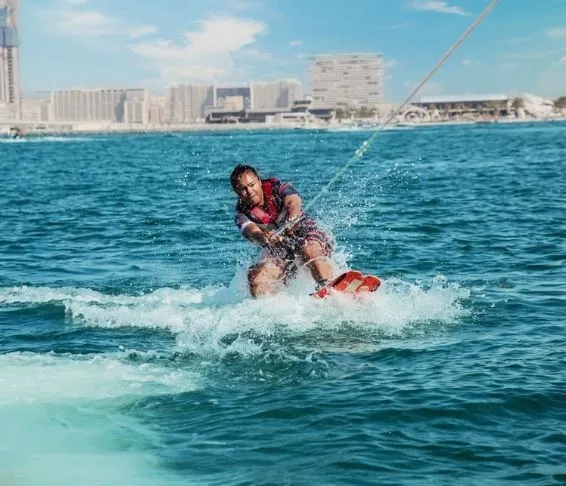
(76, 22)
(83, 23)
(296, 43)
(470, 62)
(205, 54)
(556, 32)
(437, 6)
(142, 31)
(390, 63)
(562, 61)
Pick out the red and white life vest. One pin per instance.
(272, 215)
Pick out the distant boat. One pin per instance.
(16, 132)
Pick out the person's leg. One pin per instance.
(315, 255)
(265, 277)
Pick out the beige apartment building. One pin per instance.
(347, 79)
(35, 110)
(280, 94)
(186, 103)
(157, 112)
(100, 105)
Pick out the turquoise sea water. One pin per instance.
(131, 353)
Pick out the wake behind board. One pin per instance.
(350, 282)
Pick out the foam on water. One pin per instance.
(55, 378)
(393, 311)
(42, 295)
(64, 417)
(36, 139)
(61, 420)
(202, 318)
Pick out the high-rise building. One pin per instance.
(279, 94)
(157, 110)
(9, 58)
(290, 90)
(348, 79)
(264, 95)
(136, 107)
(187, 102)
(100, 106)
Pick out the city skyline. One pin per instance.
(93, 43)
(183, 104)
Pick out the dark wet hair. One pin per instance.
(238, 171)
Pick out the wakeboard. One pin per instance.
(350, 282)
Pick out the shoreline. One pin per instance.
(359, 125)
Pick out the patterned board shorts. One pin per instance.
(287, 254)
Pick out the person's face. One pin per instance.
(249, 189)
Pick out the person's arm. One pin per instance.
(293, 204)
(255, 234)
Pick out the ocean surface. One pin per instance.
(132, 354)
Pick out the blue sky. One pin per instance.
(130, 43)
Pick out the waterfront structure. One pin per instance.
(448, 104)
(459, 107)
(187, 102)
(10, 102)
(479, 107)
(301, 111)
(100, 106)
(348, 80)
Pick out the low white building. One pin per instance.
(537, 106)
(477, 107)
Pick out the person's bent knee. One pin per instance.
(263, 279)
(312, 250)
